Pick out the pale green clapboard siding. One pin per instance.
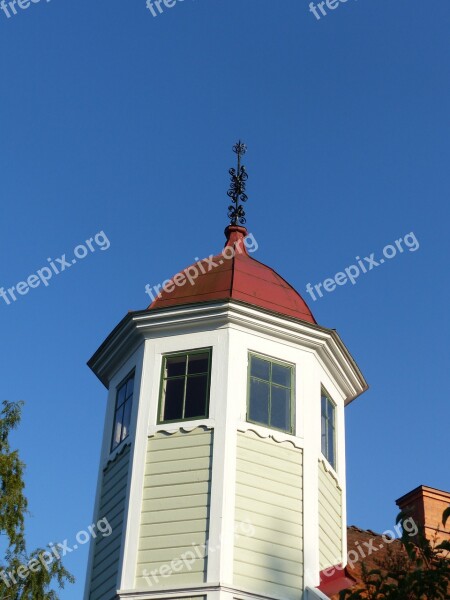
(175, 508)
(269, 497)
(112, 507)
(330, 519)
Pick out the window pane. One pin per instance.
(198, 363)
(259, 401)
(330, 456)
(196, 388)
(281, 375)
(331, 412)
(121, 395)
(324, 405)
(130, 385)
(117, 428)
(324, 435)
(126, 418)
(173, 399)
(281, 408)
(124, 403)
(328, 438)
(175, 365)
(260, 368)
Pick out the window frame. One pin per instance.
(332, 403)
(282, 363)
(161, 401)
(123, 382)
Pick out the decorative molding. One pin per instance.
(180, 430)
(117, 453)
(276, 436)
(329, 469)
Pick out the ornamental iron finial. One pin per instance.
(236, 212)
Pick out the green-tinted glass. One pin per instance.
(281, 375)
(259, 401)
(280, 408)
(260, 368)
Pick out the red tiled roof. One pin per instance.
(239, 278)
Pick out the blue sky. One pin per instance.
(113, 120)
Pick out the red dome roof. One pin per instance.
(235, 275)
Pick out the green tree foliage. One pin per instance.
(417, 570)
(23, 575)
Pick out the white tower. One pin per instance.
(222, 470)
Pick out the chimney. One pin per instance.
(426, 505)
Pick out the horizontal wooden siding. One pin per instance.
(269, 505)
(175, 510)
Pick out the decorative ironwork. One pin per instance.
(239, 176)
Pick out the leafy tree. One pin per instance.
(417, 570)
(445, 516)
(23, 575)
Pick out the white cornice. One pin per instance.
(138, 326)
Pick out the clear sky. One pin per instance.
(114, 120)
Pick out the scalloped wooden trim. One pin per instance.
(181, 430)
(115, 456)
(277, 436)
(329, 469)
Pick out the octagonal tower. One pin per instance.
(222, 470)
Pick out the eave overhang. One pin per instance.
(131, 332)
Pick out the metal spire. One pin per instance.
(236, 212)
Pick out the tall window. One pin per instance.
(329, 429)
(185, 386)
(122, 413)
(270, 393)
